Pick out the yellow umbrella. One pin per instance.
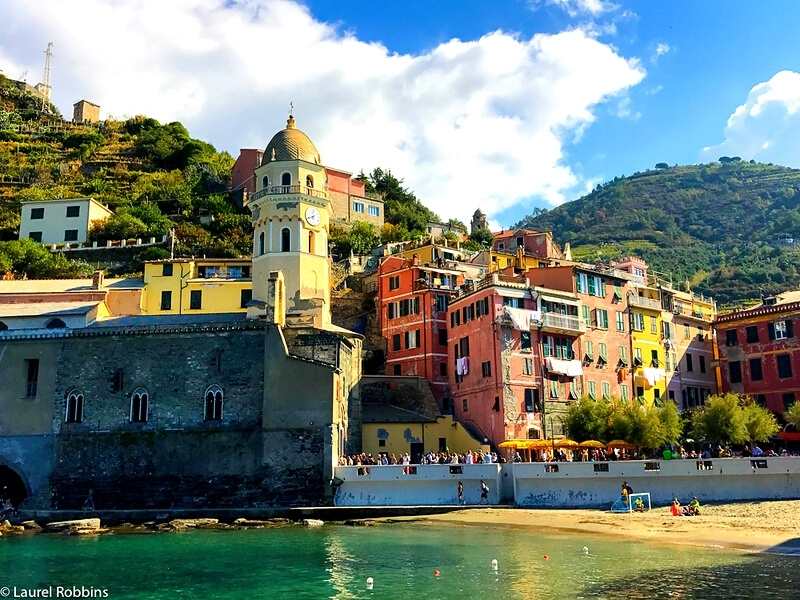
(620, 444)
(566, 443)
(592, 444)
(512, 444)
(537, 444)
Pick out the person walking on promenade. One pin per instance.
(484, 492)
(460, 492)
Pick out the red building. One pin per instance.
(243, 172)
(412, 313)
(533, 243)
(759, 351)
(513, 366)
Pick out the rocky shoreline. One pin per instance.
(94, 527)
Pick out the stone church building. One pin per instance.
(204, 410)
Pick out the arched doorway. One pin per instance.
(11, 486)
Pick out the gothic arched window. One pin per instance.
(140, 405)
(265, 182)
(286, 179)
(56, 324)
(261, 243)
(309, 181)
(213, 403)
(74, 409)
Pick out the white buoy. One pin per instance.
(370, 583)
(494, 564)
(586, 549)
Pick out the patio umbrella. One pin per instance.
(512, 444)
(565, 443)
(592, 444)
(538, 444)
(620, 444)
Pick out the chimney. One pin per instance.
(97, 280)
(415, 260)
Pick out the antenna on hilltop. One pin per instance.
(46, 89)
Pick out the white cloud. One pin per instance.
(578, 7)
(662, 48)
(767, 126)
(466, 124)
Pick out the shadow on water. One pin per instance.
(774, 573)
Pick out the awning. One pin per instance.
(570, 368)
(559, 300)
(522, 318)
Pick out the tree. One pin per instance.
(401, 206)
(671, 422)
(721, 420)
(587, 419)
(792, 415)
(662, 165)
(121, 226)
(759, 423)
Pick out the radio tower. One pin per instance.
(46, 89)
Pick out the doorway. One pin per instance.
(12, 487)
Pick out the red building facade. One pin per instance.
(412, 315)
(759, 351)
(495, 361)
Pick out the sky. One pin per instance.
(505, 106)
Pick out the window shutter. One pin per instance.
(771, 329)
(789, 328)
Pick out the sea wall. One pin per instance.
(398, 485)
(566, 485)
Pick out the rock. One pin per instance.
(76, 524)
(260, 523)
(85, 531)
(312, 523)
(190, 523)
(5, 524)
(31, 525)
(360, 523)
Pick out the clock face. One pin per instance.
(313, 217)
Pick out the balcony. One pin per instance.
(557, 323)
(642, 302)
(280, 190)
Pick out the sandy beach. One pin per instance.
(752, 526)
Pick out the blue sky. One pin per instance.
(504, 105)
(717, 52)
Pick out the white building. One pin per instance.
(60, 221)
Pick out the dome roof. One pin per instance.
(291, 144)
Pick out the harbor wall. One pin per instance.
(572, 485)
(411, 485)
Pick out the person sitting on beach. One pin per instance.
(694, 507)
(675, 509)
(638, 506)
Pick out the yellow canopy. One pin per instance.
(620, 444)
(513, 444)
(592, 444)
(566, 443)
(538, 444)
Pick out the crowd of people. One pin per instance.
(474, 457)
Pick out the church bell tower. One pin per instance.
(291, 215)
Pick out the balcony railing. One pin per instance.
(643, 302)
(278, 190)
(558, 322)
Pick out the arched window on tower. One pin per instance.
(286, 240)
(3, 326)
(56, 324)
(74, 409)
(213, 403)
(311, 242)
(265, 182)
(261, 243)
(286, 179)
(309, 182)
(140, 405)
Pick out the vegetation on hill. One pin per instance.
(155, 176)
(731, 229)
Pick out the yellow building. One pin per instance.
(291, 215)
(430, 253)
(648, 368)
(183, 286)
(396, 431)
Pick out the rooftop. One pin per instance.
(51, 286)
(46, 309)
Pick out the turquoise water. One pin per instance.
(335, 561)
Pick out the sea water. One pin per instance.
(409, 560)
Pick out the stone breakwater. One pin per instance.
(93, 526)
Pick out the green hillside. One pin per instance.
(731, 228)
(154, 176)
